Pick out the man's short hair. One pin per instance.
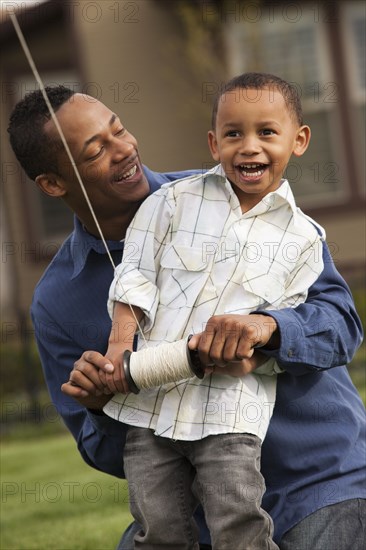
(259, 81)
(35, 151)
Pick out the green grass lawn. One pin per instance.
(50, 499)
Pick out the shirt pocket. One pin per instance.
(263, 289)
(183, 274)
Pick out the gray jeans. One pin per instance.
(168, 478)
(340, 526)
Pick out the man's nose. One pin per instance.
(122, 149)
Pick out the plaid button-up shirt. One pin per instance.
(191, 253)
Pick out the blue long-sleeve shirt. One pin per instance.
(314, 451)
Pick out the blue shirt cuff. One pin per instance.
(298, 353)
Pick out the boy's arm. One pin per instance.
(125, 321)
(133, 294)
(135, 277)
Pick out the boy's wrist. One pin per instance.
(121, 343)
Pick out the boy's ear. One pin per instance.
(212, 143)
(51, 185)
(302, 140)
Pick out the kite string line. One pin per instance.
(32, 65)
(54, 118)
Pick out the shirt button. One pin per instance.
(290, 353)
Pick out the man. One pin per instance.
(313, 455)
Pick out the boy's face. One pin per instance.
(254, 138)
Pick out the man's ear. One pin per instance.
(212, 143)
(51, 185)
(302, 140)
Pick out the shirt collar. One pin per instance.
(82, 242)
(272, 201)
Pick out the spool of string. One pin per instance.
(154, 366)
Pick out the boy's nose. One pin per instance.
(250, 145)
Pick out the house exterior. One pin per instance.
(159, 64)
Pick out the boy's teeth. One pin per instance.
(251, 167)
(252, 173)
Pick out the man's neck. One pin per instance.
(113, 229)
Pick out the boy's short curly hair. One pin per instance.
(259, 81)
(35, 151)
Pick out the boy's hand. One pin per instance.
(232, 338)
(116, 381)
(240, 368)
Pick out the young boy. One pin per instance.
(224, 243)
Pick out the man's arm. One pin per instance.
(100, 439)
(322, 333)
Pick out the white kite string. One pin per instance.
(28, 55)
(54, 118)
(167, 362)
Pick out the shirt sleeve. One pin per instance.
(135, 279)
(306, 271)
(100, 439)
(322, 333)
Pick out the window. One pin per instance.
(291, 42)
(353, 18)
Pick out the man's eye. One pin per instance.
(96, 155)
(120, 131)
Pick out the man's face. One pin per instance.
(254, 138)
(105, 154)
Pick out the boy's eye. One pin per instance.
(232, 133)
(267, 132)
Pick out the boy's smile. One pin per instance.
(254, 138)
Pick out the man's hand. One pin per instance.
(233, 338)
(85, 383)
